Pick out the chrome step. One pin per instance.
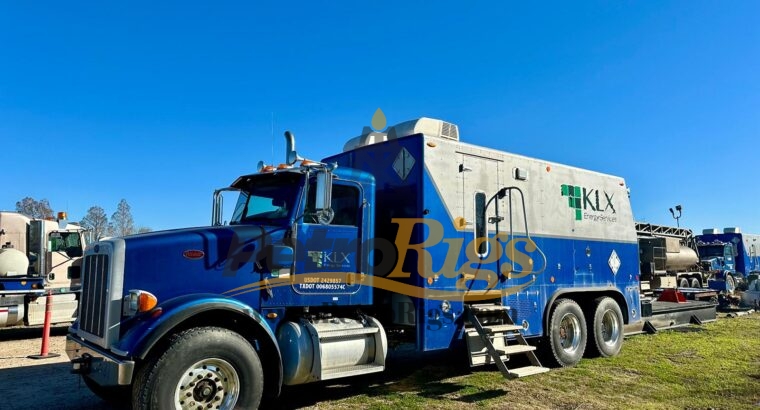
(347, 333)
(348, 371)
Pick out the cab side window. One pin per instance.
(345, 203)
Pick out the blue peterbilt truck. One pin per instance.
(408, 239)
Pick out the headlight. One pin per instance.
(138, 301)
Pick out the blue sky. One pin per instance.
(162, 103)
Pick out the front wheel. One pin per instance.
(567, 333)
(683, 283)
(607, 327)
(730, 283)
(206, 367)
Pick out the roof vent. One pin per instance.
(734, 229)
(711, 231)
(428, 126)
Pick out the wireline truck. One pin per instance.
(408, 238)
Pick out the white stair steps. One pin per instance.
(501, 328)
(488, 308)
(494, 330)
(490, 343)
(527, 371)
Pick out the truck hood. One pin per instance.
(711, 263)
(197, 260)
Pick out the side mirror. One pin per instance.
(280, 256)
(323, 204)
(217, 207)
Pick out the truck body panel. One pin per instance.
(578, 231)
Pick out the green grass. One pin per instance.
(716, 365)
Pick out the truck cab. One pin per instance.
(38, 256)
(732, 254)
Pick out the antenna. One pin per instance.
(272, 137)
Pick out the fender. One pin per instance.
(147, 330)
(599, 289)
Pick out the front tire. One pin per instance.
(730, 284)
(683, 283)
(202, 367)
(608, 328)
(567, 333)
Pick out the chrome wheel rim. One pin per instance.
(570, 333)
(208, 384)
(730, 284)
(610, 328)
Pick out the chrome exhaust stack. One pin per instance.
(291, 156)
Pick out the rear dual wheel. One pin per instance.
(607, 327)
(567, 333)
(686, 282)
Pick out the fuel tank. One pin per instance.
(324, 349)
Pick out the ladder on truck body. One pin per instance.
(489, 342)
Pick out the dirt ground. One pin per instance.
(48, 384)
(40, 384)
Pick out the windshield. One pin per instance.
(267, 199)
(710, 251)
(63, 241)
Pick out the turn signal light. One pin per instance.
(139, 301)
(61, 216)
(267, 168)
(146, 301)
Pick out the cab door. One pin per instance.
(327, 256)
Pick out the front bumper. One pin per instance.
(101, 366)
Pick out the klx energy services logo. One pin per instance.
(594, 200)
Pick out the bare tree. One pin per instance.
(144, 229)
(34, 208)
(122, 223)
(96, 221)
